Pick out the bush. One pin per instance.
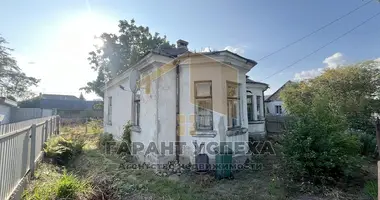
(61, 151)
(317, 148)
(53, 185)
(70, 187)
(371, 189)
(367, 143)
(105, 138)
(126, 139)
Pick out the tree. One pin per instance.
(331, 121)
(119, 52)
(81, 96)
(352, 91)
(13, 82)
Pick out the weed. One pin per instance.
(371, 189)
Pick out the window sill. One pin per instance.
(205, 133)
(236, 131)
(257, 122)
(136, 129)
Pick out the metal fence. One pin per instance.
(275, 124)
(7, 128)
(21, 146)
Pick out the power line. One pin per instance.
(325, 45)
(315, 31)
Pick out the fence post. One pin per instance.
(58, 118)
(46, 131)
(51, 126)
(32, 149)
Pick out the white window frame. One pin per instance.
(199, 126)
(237, 99)
(278, 109)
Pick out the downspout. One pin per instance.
(177, 139)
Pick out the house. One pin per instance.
(67, 106)
(273, 103)
(6, 106)
(185, 101)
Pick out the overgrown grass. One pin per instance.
(93, 174)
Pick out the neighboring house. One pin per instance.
(273, 103)
(6, 106)
(185, 98)
(67, 106)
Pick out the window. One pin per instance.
(109, 113)
(250, 107)
(258, 103)
(233, 105)
(137, 108)
(203, 105)
(278, 110)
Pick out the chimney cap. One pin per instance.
(182, 43)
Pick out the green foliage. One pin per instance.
(332, 122)
(58, 186)
(349, 90)
(13, 82)
(371, 189)
(61, 150)
(316, 146)
(368, 143)
(121, 51)
(70, 187)
(105, 139)
(126, 139)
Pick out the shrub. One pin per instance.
(70, 187)
(61, 151)
(105, 138)
(317, 148)
(371, 189)
(367, 143)
(126, 139)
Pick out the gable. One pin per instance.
(276, 95)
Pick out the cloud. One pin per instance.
(308, 74)
(237, 50)
(335, 60)
(377, 59)
(207, 49)
(331, 62)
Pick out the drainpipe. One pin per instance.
(177, 111)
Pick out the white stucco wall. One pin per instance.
(6, 111)
(257, 126)
(271, 107)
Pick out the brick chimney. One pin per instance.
(182, 44)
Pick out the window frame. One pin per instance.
(136, 108)
(109, 111)
(252, 119)
(237, 98)
(258, 107)
(196, 97)
(276, 107)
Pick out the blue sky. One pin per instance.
(52, 38)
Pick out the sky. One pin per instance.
(51, 39)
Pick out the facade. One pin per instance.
(273, 103)
(185, 101)
(6, 106)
